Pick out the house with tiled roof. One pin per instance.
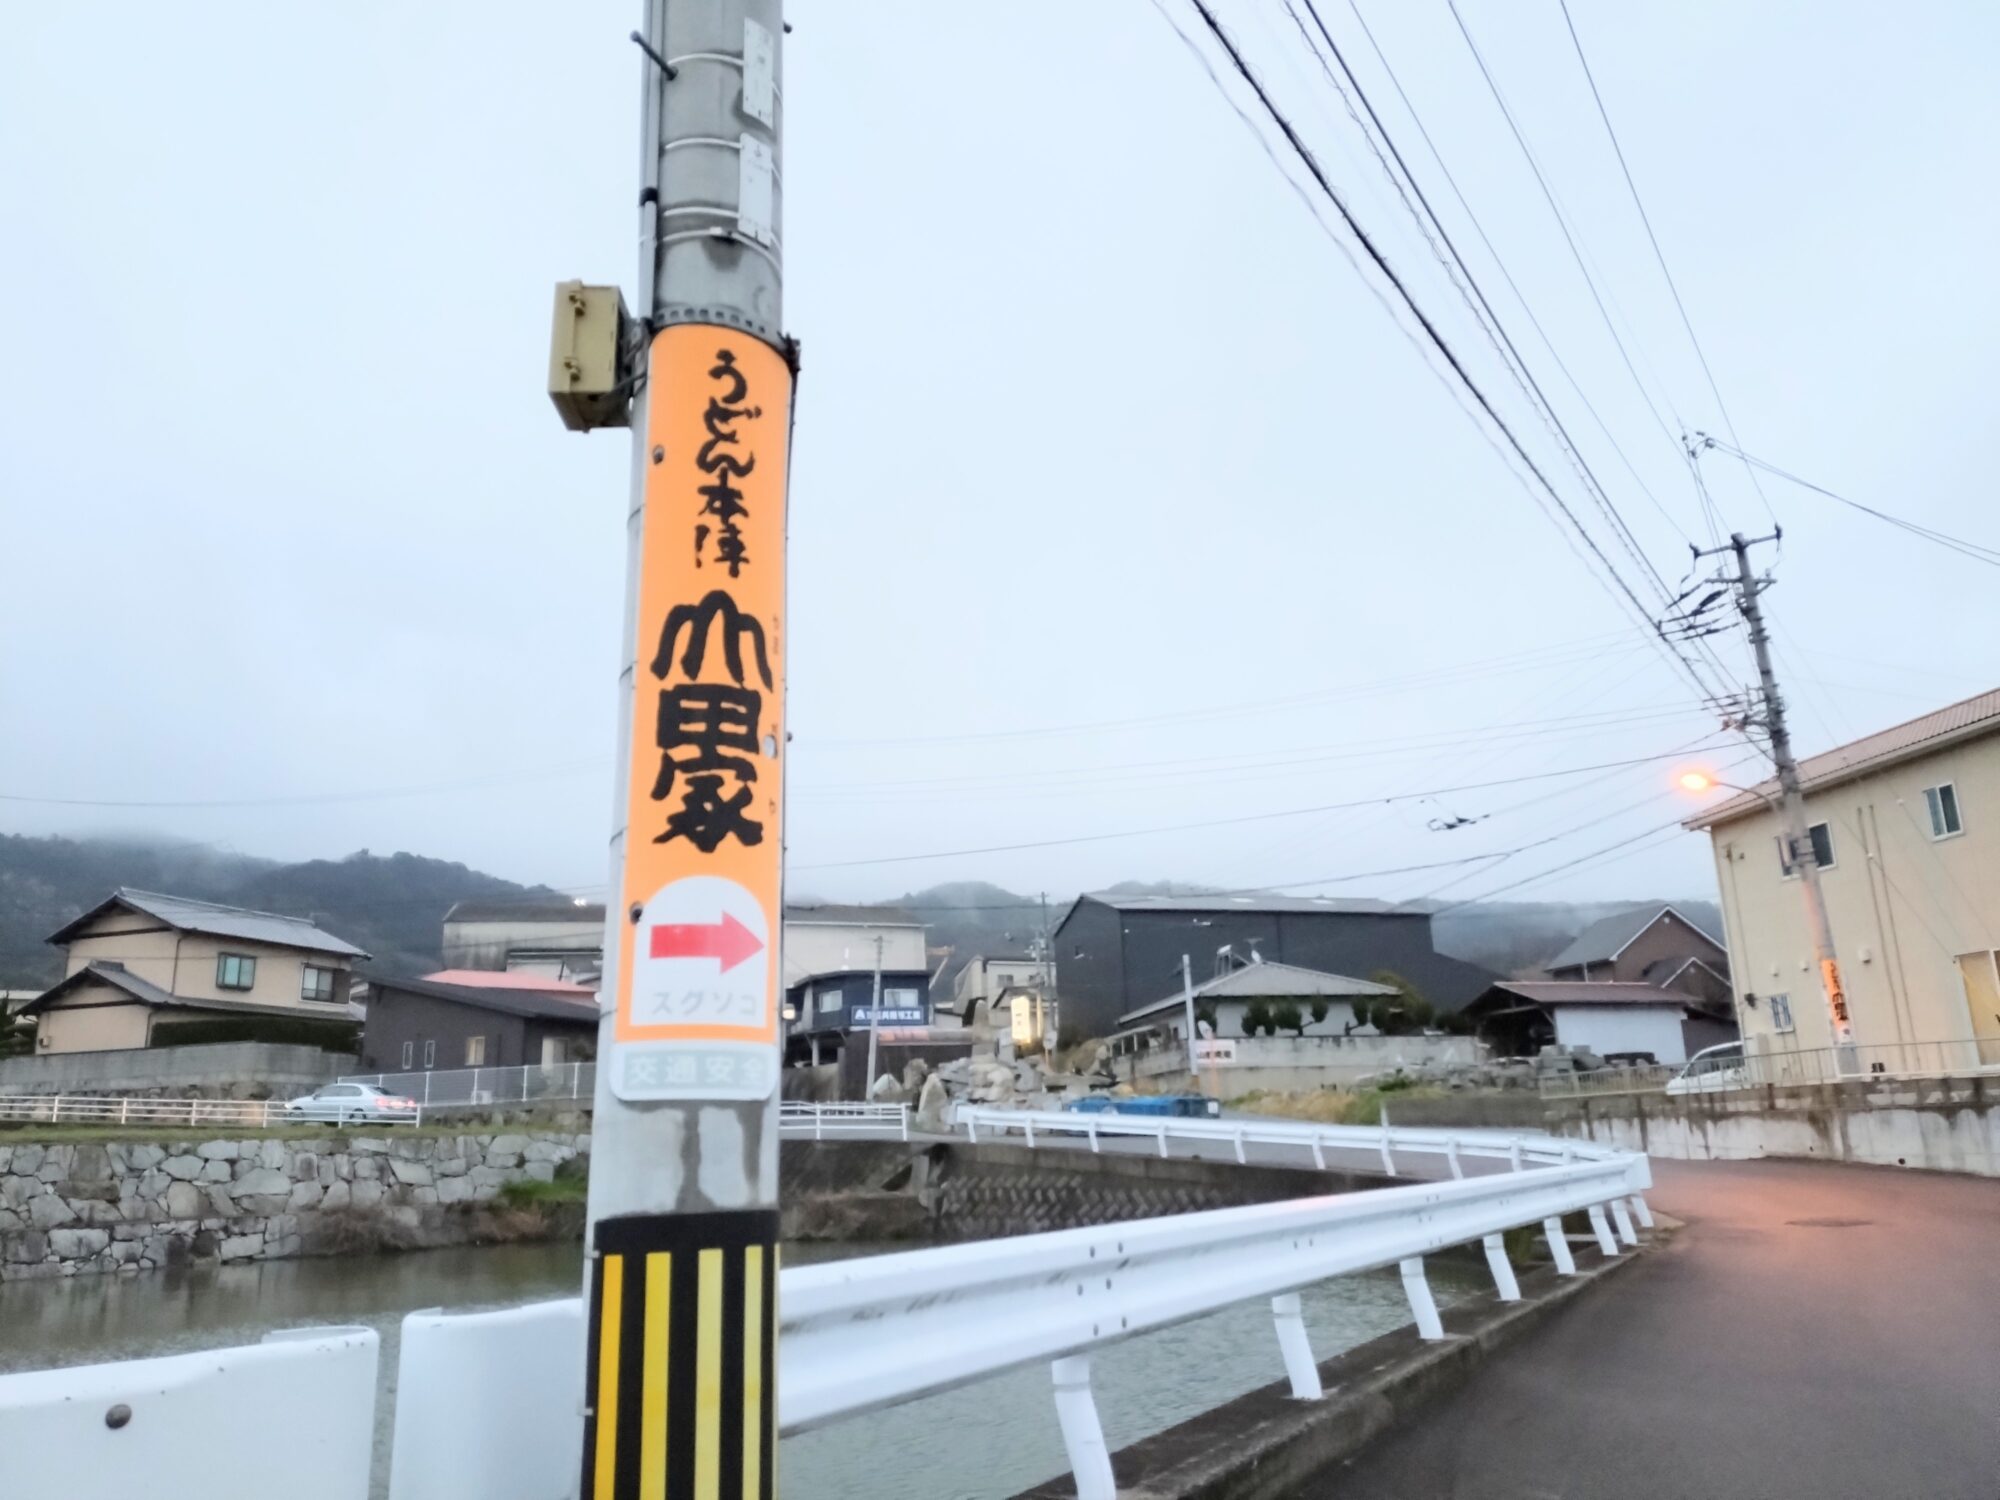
(150, 970)
(1904, 825)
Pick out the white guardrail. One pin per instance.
(856, 1335)
(73, 1109)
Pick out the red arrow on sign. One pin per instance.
(727, 941)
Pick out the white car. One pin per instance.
(1712, 1070)
(341, 1102)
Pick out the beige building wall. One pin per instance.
(485, 944)
(83, 1021)
(984, 979)
(1912, 915)
(837, 947)
(184, 963)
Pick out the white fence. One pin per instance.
(473, 1088)
(1968, 1057)
(860, 1334)
(71, 1109)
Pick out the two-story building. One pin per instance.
(147, 970)
(831, 954)
(1657, 945)
(1905, 829)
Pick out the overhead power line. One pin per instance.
(1264, 817)
(1437, 341)
(1977, 551)
(1728, 422)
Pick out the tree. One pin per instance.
(1204, 1015)
(17, 1035)
(1256, 1018)
(1399, 1014)
(1318, 1009)
(1285, 1016)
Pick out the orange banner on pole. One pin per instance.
(699, 988)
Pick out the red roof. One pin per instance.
(506, 979)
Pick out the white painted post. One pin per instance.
(427, 1088)
(1083, 1434)
(1241, 1159)
(1319, 1156)
(1602, 1230)
(1028, 1127)
(971, 1128)
(1641, 1211)
(1502, 1268)
(819, 1119)
(1422, 1305)
(903, 1120)
(1552, 1230)
(55, 1112)
(1296, 1347)
(1624, 1222)
(1388, 1161)
(1514, 1154)
(1451, 1156)
(1163, 1138)
(1091, 1127)
(124, 1109)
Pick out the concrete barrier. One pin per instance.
(1939, 1124)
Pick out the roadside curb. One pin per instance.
(1268, 1446)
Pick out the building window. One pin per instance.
(831, 1000)
(235, 971)
(1822, 847)
(317, 984)
(1781, 1012)
(475, 1052)
(430, 1053)
(1942, 803)
(409, 1053)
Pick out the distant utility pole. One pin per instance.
(874, 1023)
(680, 1272)
(1199, 1073)
(1791, 805)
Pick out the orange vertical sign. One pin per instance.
(698, 981)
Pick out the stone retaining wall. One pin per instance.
(211, 1070)
(118, 1206)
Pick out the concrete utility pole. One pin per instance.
(1199, 1073)
(1792, 804)
(874, 1023)
(681, 1266)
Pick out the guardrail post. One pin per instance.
(1083, 1434)
(1641, 1212)
(1502, 1268)
(1514, 1154)
(1451, 1156)
(1241, 1159)
(1552, 1230)
(1296, 1347)
(1028, 1128)
(1163, 1138)
(124, 1109)
(1388, 1161)
(819, 1120)
(1090, 1127)
(55, 1113)
(903, 1119)
(1624, 1222)
(971, 1128)
(1422, 1304)
(1319, 1156)
(1602, 1230)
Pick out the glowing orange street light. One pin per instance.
(1698, 781)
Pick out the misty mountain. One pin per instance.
(1518, 938)
(392, 906)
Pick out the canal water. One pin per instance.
(980, 1442)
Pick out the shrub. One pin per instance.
(1256, 1018)
(1285, 1016)
(309, 1031)
(1318, 1009)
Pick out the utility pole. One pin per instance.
(874, 1024)
(1049, 1019)
(1187, 999)
(1791, 800)
(680, 1272)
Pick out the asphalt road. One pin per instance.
(1814, 1331)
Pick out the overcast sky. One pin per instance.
(1119, 499)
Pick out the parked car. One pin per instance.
(1712, 1070)
(352, 1101)
(1193, 1106)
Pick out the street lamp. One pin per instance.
(1699, 781)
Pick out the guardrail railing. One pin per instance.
(825, 1120)
(1964, 1057)
(474, 1088)
(72, 1109)
(856, 1335)
(1641, 1080)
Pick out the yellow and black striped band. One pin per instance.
(682, 1379)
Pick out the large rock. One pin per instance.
(26, 1249)
(365, 1192)
(455, 1189)
(546, 1151)
(78, 1244)
(305, 1195)
(185, 1201)
(27, 1160)
(49, 1210)
(338, 1195)
(932, 1103)
(217, 1151)
(242, 1247)
(16, 1191)
(265, 1190)
(214, 1171)
(411, 1173)
(517, 1144)
(271, 1152)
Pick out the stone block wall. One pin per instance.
(125, 1206)
(214, 1070)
